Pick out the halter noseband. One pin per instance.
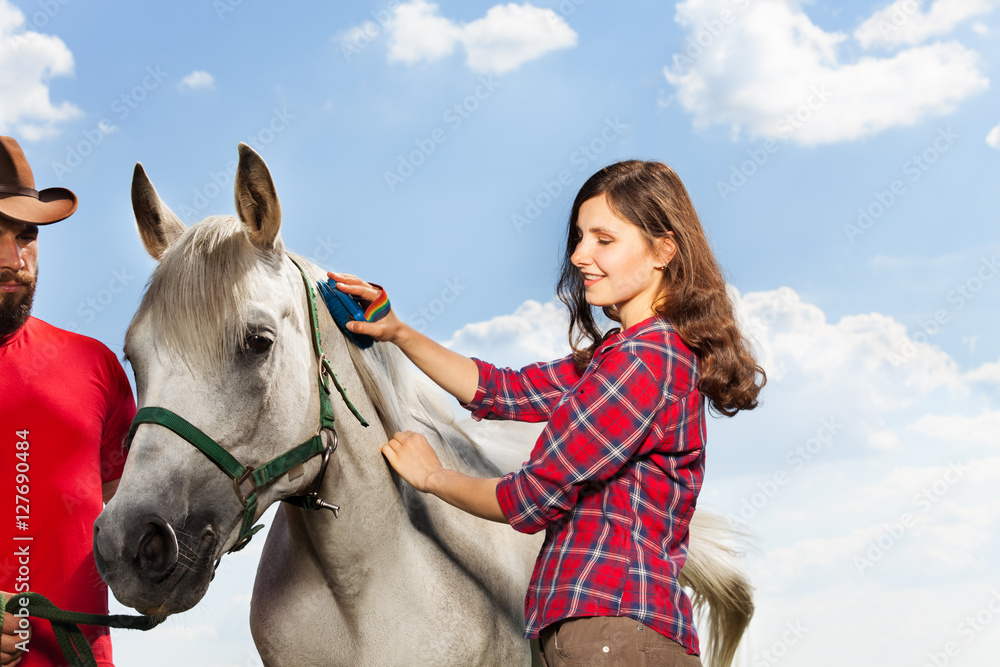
(247, 480)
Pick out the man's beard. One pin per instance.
(15, 308)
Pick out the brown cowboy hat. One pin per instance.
(19, 200)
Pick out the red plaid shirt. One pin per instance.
(613, 479)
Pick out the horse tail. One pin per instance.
(720, 590)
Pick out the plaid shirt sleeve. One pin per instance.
(599, 425)
(528, 395)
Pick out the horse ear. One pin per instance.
(158, 225)
(256, 199)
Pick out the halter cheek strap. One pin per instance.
(247, 480)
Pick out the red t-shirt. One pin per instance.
(67, 397)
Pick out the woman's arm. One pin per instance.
(412, 457)
(456, 374)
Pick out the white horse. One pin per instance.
(223, 341)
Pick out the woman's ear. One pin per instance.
(666, 248)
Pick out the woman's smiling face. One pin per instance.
(617, 266)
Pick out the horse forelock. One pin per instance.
(196, 299)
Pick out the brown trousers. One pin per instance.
(602, 641)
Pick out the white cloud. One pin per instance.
(884, 439)
(418, 33)
(503, 40)
(904, 22)
(870, 357)
(768, 71)
(197, 80)
(983, 428)
(28, 60)
(989, 372)
(534, 332)
(980, 28)
(511, 35)
(993, 138)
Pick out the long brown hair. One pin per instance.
(693, 298)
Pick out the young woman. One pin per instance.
(615, 475)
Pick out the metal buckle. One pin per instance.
(238, 485)
(313, 496)
(324, 373)
(242, 542)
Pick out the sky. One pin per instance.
(843, 158)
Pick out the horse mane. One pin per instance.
(405, 400)
(197, 296)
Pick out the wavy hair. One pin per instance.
(693, 295)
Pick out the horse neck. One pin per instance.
(357, 479)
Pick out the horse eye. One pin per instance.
(256, 343)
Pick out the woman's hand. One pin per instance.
(453, 372)
(387, 328)
(411, 456)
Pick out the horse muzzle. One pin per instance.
(152, 566)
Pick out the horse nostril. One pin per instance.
(157, 550)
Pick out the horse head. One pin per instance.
(222, 352)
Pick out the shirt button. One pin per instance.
(607, 649)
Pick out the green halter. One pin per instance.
(247, 480)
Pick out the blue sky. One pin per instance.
(843, 158)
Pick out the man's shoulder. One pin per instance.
(45, 333)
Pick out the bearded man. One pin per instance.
(65, 408)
